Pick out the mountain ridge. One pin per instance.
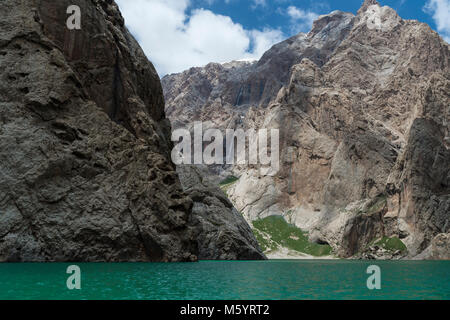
(351, 99)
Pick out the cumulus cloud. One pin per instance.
(440, 10)
(301, 20)
(176, 39)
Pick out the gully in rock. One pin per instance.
(236, 142)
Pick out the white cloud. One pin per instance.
(175, 41)
(262, 41)
(301, 20)
(440, 10)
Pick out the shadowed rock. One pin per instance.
(85, 166)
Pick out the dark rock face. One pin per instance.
(362, 105)
(85, 164)
(108, 62)
(223, 232)
(420, 184)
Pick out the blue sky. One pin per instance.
(269, 13)
(179, 34)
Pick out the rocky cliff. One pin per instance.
(222, 93)
(223, 232)
(362, 104)
(85, 164)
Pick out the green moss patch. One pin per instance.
(391, 244)
(227, 183)
(264, 241)
(281, 233)
(228, 180)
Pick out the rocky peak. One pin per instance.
(329, 22)
(378, 18)
(235, 87)
(367, 4)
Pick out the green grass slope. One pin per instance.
(274, 232)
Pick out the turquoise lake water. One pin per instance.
(230, 280)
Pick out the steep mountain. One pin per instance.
(230, 89)
(85, 166)
(362, 104)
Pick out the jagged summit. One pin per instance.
(367, 4)
(252, 84)
(328, 26)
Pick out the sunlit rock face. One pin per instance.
(222, 92)
(362, 105)
(85, 166)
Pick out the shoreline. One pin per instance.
(286, 254)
